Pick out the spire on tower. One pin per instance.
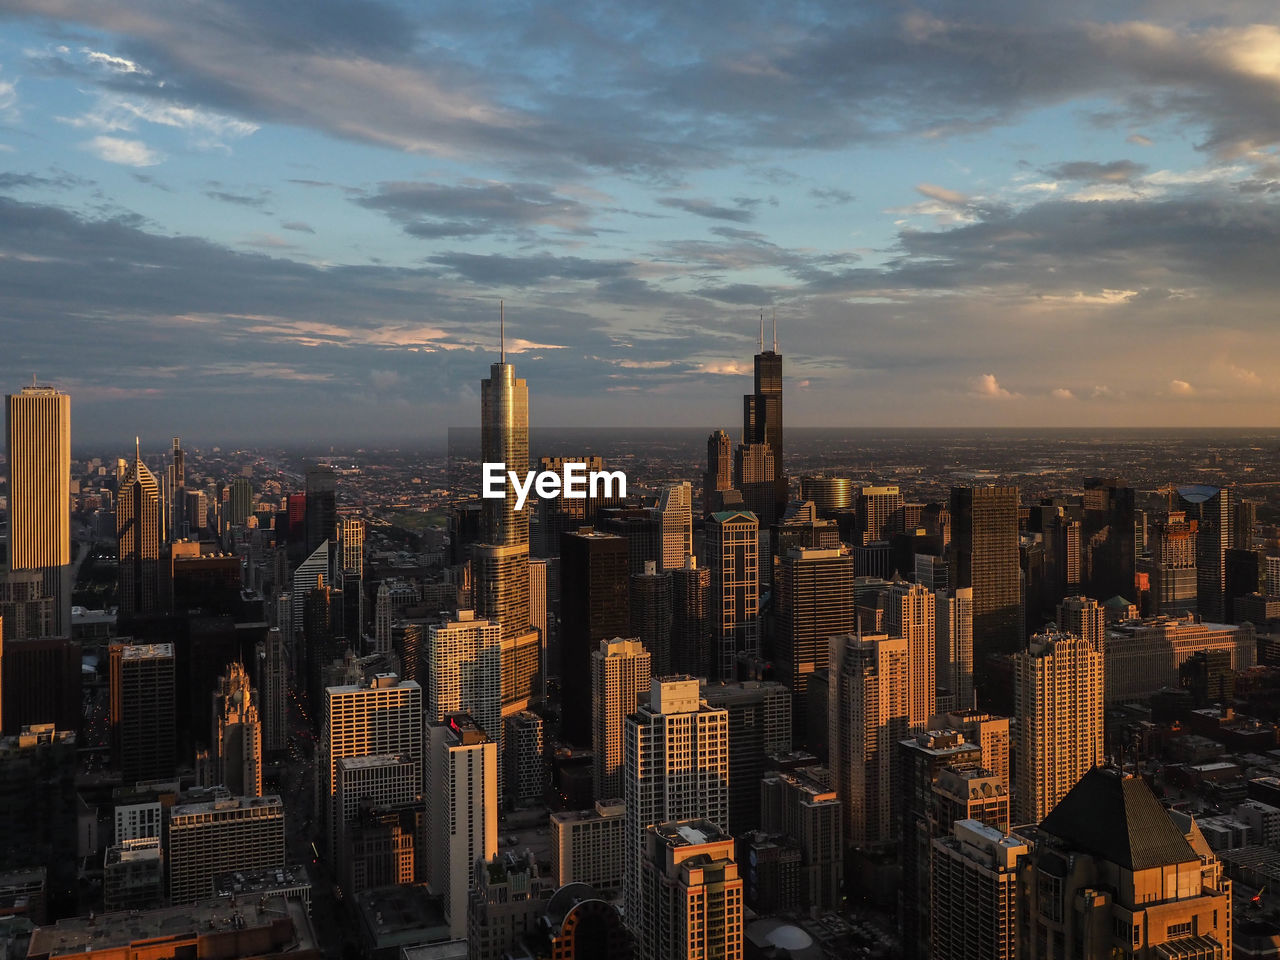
(775, 329)
(137, 449)
(502, 331)
(760, 341)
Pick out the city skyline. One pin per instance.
(927, 199)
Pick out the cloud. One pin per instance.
(1062, 393)
(1138, 140)
(987, 386)
(427, 209)
(129, 153)
(298, 226)
(1116, 171)
(706, 208)
(831, 196)
(952, 198)
(1181, 388)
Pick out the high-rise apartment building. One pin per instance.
(38, 451)
(509, 897)
(139, 533)
(1058, 692)
(651, 614)
(620, 679)
(677, 767)
(868, 709)
(694, 893)
(1112, 874)
(910, 613)
(221, 835)
(462, 817)
(719, 473)
(589, 846)
(464, 671)
(808, 813)
(594, 606)
(676, 509)
(380, 716)
(973, 910)
(524, 765)
(143, 709)
(813, 601)
(762, 417)
(40, 682)
(235, 747)
(379, 782)
(241, 503)
(984, 556)
(691, 648)
(990, 733)
(1084, 618)
(954, 637)
(759, 727)
(1173, 564)
(732, 547)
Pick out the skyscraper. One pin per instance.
(620, 677)
(732, 547)
(677, 768)
(313, 570)
(1214, 509)
(954, 637)
(691, 649)
(558, 515)
(879, 513)
(176, 471)
(910, 613)
(1084, 618)
(651, 614)
(813, 601)
(235, 750)
(676, 508)
(1059, 706)
(694, 891)
(38, 452)
(984, 556)
(321, 519)
(462, 819)
(464, 671)
(594, 606)
(273, 689)
(139, 533)
(762, 413)
(869, 699)
(759, 727)
(207, 838)
(241, 500)
(1174, 588)
(719, 473)
(755, 477)
(349, 574)
(143, 710)
(973, 911)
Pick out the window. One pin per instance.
(1176, 931)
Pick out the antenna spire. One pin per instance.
(502, 331)
(760, 341)
(775, 329)
(137, 449)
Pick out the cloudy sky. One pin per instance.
(237, 219)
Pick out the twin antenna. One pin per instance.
(775, 331)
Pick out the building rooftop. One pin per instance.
(684, 833)
(146, 651)
(221, 804)
(1117, 818)
(377, 760)
(242, 883)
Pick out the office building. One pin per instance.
(868, 708)
(539, 610)
(139, 533)
(27, 611)
(675, 506)
(1213, 508)
(694, 892)
(580, 925)
(954, 637)
(320, 520)
(382, 847)
(273, 693)
(719, 473)
(589, 846)
(969, 793)
(559, 515)
(641, 528)
(1109, 537)
(211, 837)
(133, 875)
(922, 758)
(762, 417)
(364, 784)
(621, 671)
(807, 813)
(910, 613)
(732, 548)
(462, 819)
(829, 494)
(176, 483)
(1058, 691)
(691, 647)
(879, 514)
(39, 825)
(38, 452)
(594, 606)
(380, 716)
(39, 681)
(1173, 564)
(523, 761)
(984, 557)
(464, 671)
(813, 601)
(313, 571)
(754, 473)
(651, 614)
(349, 573)
(759, 727)
(974, 903)
(235, 749)
(1112, 874)
(143, 710)
(677, 767)
(509, 897)
(1143, 656)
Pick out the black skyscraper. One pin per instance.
(762, 413)
(594, 571)
(322, 506)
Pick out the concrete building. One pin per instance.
(693, 891)
(677, 767)
(588, 846)
(508, 898)
(524, 765)
(133, 875)
(1059, 706)
(464, 671)
(272, 664)
(759, 727)
(675, 505)
(143, 710)
(620, 678)
(462, 817)
(910, 613)
(973, 911)
(206, 839)
(235, 751)
(954, 640)
(807, 812)
(733, 554)
(1142, 656)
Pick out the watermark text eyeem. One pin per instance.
(576, 483)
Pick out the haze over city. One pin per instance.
(287, 221)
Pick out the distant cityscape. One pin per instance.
(802, 693)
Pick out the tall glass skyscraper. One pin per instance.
(138, 536)
(762, 413)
